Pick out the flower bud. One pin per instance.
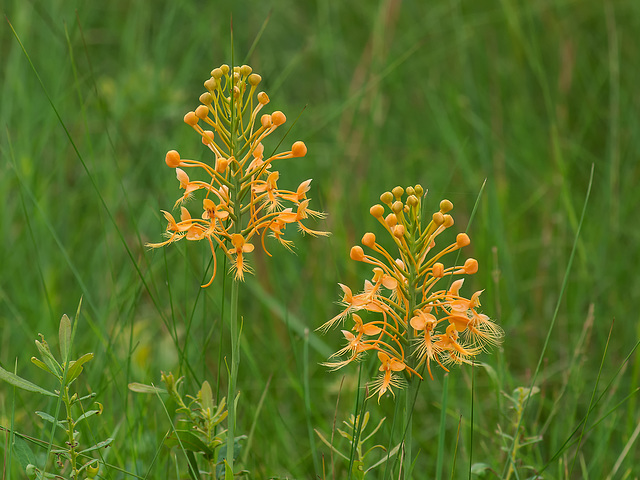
(398, 230)
(438, 218)
(397, 206)
(410, 191)
(448, 221)
(225, 68)
(391, 220)
(217, 73)
(298, 149)
(437, 270)
(206, 98)
(462, 240)
(172, 158)
(207, 138)
(412, 200)
(245, 70)
(254, 79)
(266, 121)
(369, 240)
(419, 190)
(357, 253)
(221, 164)
(397, 192)
(470, 266)
(377, 211)
(211, 84)
(191, 119)
(278, 118)
(386, 198)
(202, 111)
(446, 206)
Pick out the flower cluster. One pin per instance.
(414, 320)
(242, 201)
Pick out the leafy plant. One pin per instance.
(71, 458)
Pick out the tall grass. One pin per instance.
(525, 95)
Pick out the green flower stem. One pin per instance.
(235, 288)
(410, 392)
(233, 375)
(71, 442)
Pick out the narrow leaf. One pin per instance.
(20, 382)
(75, 368)
(87, 414)
(48, 358)
(142, 388)
(40, 364)
(64, 336)
(50, 419)
(97, 446)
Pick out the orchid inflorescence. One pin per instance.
(415, 320)
(242, 201)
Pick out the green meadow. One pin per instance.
(524, 114)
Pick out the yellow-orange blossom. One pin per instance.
(402, 299)
(242, 201)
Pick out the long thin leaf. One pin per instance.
(20, 382)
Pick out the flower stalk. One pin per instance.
(242, 202)
(402, 313)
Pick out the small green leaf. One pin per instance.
(48, 358)
(142, 388)
(97, 446)
(40, 364)
(23, 453)
(75, 368)
(206, 397)
(20, 382)
(64, 336)
(87, 414)
(59, 423)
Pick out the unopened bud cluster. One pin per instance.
(409, 315)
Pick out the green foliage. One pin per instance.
(66, 372)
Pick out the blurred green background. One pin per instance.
(525, 95)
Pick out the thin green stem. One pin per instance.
(235, 288)
(233, 374)
(71, 442)
(410, 393)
